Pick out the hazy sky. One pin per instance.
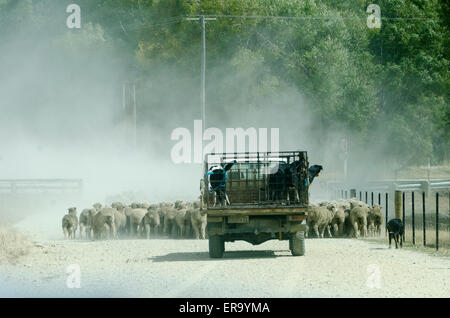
(62, 117)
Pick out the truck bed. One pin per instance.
(255, 209)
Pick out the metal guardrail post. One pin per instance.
(387, 211)
(426, 188)
(352, 193)
(437, 220)
(424, 220)
(412, 220)
(403, 215)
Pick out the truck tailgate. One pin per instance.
(229, 211)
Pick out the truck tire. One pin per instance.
(216, 246)
(297, 243)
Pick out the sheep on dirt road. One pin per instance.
(140, 205)
(103, 224)
(183, 218)
(70, 223)
(118, 205)
(120, 218)
(319, 219)
(135, 219)
(198, 221)
(169, 219)
(86, 217)
(358, 218)
(151, 219)
(348, 226)
(375, 220)
(338, 220)
(183, 222)
(161, 211)
(356, 203)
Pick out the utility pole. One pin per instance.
(125, 106)
(134, 116)
(344, 145)
(123, 96)
(203, 20)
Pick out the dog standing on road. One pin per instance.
(395, 229)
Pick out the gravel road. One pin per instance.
(182, 268)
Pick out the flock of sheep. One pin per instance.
(180, 219)
(344, 218)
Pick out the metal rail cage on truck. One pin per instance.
(266, 197)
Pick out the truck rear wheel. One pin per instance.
(216, 246)
(297, 243)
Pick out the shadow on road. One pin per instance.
(204, 256)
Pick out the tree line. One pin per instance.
(386, 86)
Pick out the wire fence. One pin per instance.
(426, 216)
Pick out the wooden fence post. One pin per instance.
(398, 204)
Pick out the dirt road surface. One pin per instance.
(182, 268)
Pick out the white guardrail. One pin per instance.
(20, 186)
(392, 185)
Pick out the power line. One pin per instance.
(177, 19)
(304, 17)
(136, 25)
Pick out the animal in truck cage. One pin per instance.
(288, 177)
(217, 179)
(258, 178)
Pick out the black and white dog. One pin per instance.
(287, 177)
(279, 181)
(313, 172)
(217, 177)
(395, 229)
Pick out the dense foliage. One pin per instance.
(378, 84)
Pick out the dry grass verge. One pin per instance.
(13, 245)
(430, 249)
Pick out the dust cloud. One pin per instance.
(63, 116)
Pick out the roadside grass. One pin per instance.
(13, 245)
(430, 248)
